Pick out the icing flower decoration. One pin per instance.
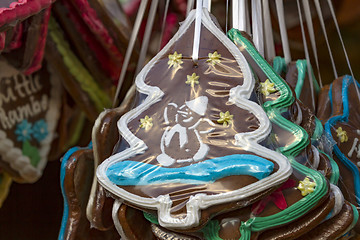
(192, 80)
(175, 60)
(146, 122)
(214, 58)
(306, 186)
(40, 130)
(267, 87)
(23, 131)
(225, 118)
(342, 135)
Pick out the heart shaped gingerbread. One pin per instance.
(29, 110)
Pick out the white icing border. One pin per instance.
(14, 155)
(339, 200)
(249, 141)
(115, 210)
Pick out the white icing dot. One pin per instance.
(358, 164)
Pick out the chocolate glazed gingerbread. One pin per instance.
(203, 92)
(76, 177)
(104, 138)
(342, 128)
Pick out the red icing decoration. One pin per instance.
(2, 41)
(277, 197)
(16, 40)
(171, 24)
(111, 68)
(94, 23)
(22, 9)
(40, 47)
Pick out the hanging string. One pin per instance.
(163, 23)
(130, 48)
(227, 16)
(269, 38)
(247, 17)
(343, 45)
(310, 27)
(147, 34)
(197, 34)
(322, 24)
(309, 70)
(235, 14)
(189, 7)
(207, 5)
(283, 31)
(257, 25)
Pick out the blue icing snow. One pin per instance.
(130, 173)
(347, 80)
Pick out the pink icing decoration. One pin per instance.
(2, 41)
(40, 48)
(131, 7)
(276, 197)
(22, 9)
(111, 68)
(90, 17)
(16, 41)
(171, 24)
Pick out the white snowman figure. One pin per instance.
(181, 141)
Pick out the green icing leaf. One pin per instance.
(31, 152)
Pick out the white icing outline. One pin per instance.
(115, 210)
(14, 156)
(339, 200)
(316, 158)
(249, 141)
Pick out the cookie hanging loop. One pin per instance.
(200, 4)
(322, 24)
(307, 57)
(343, 45)
(310, 27)
(283, 32)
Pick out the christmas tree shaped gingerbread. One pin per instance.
(191, 147)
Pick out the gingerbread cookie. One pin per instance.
(28, 119)
(208, 132)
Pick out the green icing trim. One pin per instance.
(335, 175)
(77, 69)
(272, 109)
(211, 230)
(356, 218)
(279, 65)
(284, 100)
(318, 130)
(302, 69)
(151, 218)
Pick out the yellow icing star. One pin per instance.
(342, 135)
(267, 87)
(214, 58)
(306, 186)
(146, 122)
(192, 80)
(225, 118)
(175, 59)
